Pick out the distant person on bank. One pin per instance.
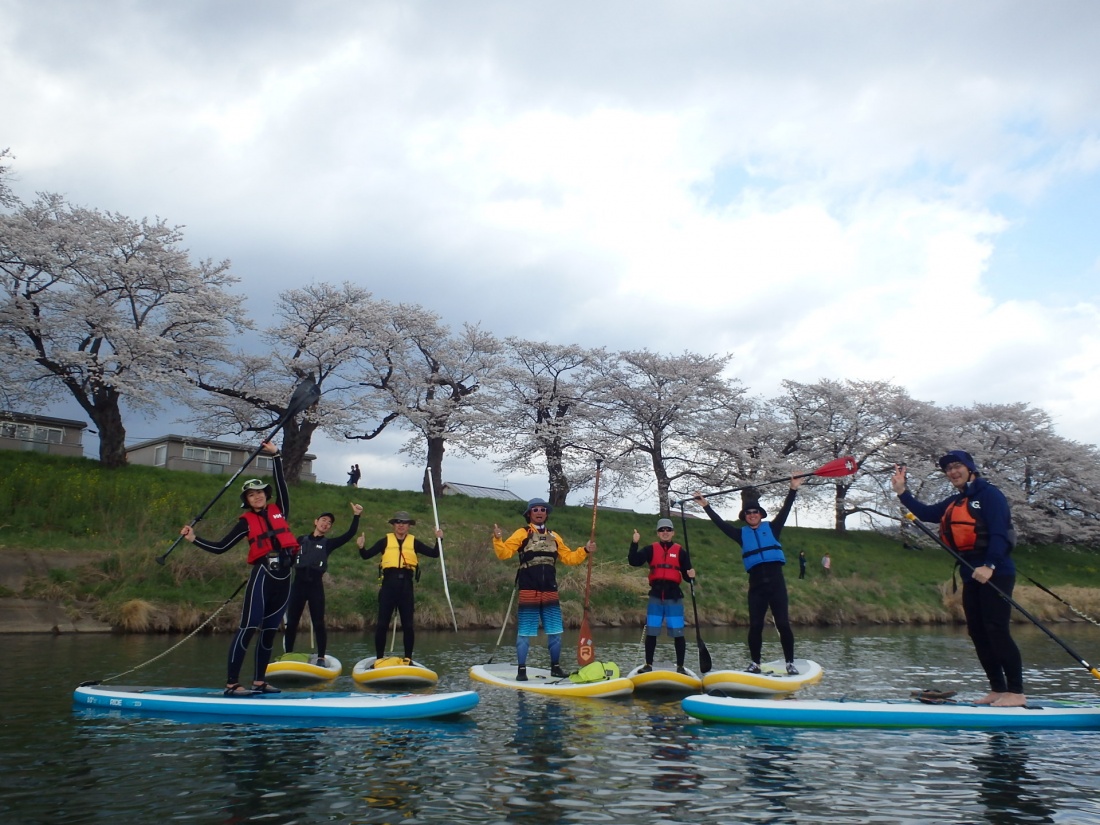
(669, 565)
(539, 550)
(976, 523)
(308, 586)
(400, 565)
(271, 551)
(763, 558)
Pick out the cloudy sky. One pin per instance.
(905, 191)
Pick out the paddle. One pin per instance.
(1046, 589)
(504, 624)
(705, 663)
(837, 468)
(305, 395)
(928, 531)
(586, 649)
(442, 564)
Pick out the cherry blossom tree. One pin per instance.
(657, 411)
(873, 421)
(541, 391)
(427, 379)
(317, 332)
(108, 309)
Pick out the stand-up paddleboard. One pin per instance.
(302, 669)
(392, 672)
(663, 678)
(540, 681)
(257, 707)
(841, 713)
(771, 681)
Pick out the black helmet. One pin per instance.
(254, 484)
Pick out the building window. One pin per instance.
(204, 454)
(160, 455)
(25, 432)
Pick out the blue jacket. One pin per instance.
(995, 515)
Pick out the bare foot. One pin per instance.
(1011, 700)
(989, 698)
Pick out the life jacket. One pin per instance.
(759, 546)
(538, 548)
(399, 555)
(962, 527)
(664, 565)
(267, 531)
(313, 555)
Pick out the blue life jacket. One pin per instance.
(759, 545)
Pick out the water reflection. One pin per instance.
(1010, 792)
(672, 754)
(524, 758)
(272, 772)
(541, 768)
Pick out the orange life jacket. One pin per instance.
(665, 564)
(267, 531)
(962, 527)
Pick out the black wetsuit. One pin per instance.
(265, 596)
(396, 593)
(767, 587)
(309, 586)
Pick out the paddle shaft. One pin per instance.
(442, 564)
(837, 468)
(1046, 589)
(705, 662)
(305, 394)
(586, 648)
(504, 624)
(928, 531)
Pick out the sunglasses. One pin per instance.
(664, 529)
(400, 521)
(538, 509)
(752, 512)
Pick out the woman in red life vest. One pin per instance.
(976, 523)
(271, 550)
(669, 565)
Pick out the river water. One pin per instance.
(523, 758)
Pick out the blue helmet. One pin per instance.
(964, 458)
(538, 502)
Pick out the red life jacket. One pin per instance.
(267, 531)
(664, 565)
(962, 527)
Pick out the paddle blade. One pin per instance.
(837, 468)
(305, 395)
(586, 648)
(705, 664)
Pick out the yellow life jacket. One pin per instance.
(399, 555)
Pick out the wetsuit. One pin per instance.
(309, 586)
(396, 592)
(767, 586)
(988, 616)
(265, 596)
(666, 599)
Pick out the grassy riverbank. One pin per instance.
(100, 532)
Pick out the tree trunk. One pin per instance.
(663, 484)
(434, 470)
(112, 433)
(840, 516)
(296, 438)
(559, 483)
